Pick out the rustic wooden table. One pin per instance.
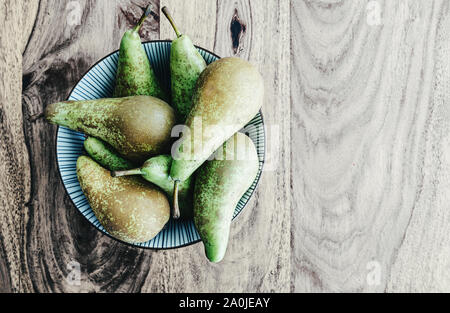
(356, 197)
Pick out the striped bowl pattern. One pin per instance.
(99, 82)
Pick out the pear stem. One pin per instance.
(147, 12)
(136, 171)
(169, 17)
(176, 208)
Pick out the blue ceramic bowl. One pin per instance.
(99, 82)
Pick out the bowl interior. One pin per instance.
(99, 82)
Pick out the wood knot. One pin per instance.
(237, 29)
(26, 80)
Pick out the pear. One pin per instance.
(136, 127)
(129, 208)
(228, 95)
(156, 171)
(186, 65)
(105, 155)
(135, 75)
(219, 186)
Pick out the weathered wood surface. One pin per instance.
(61, 48)
(15, 182)
(259, 34)
(370, 92)
(42, 232)
(361, 144)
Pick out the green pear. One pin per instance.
(135, 75)
(228, 95)
(219, 186)
(129, 208)
(136, 127)
(105, 155)
(186, 65)
(156, 171)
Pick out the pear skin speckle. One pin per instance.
(228, 95)
(105, 155)
(129, 208)
(186, 65)
(219, 185)
(136, 127)
(135, 75)
(156, 170)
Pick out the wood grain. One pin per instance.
(355, 195)
(52, 234)
(246, 266)
(14, 178)
(56, 234)
(198, 20)
(369, 100)
(16, 22)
